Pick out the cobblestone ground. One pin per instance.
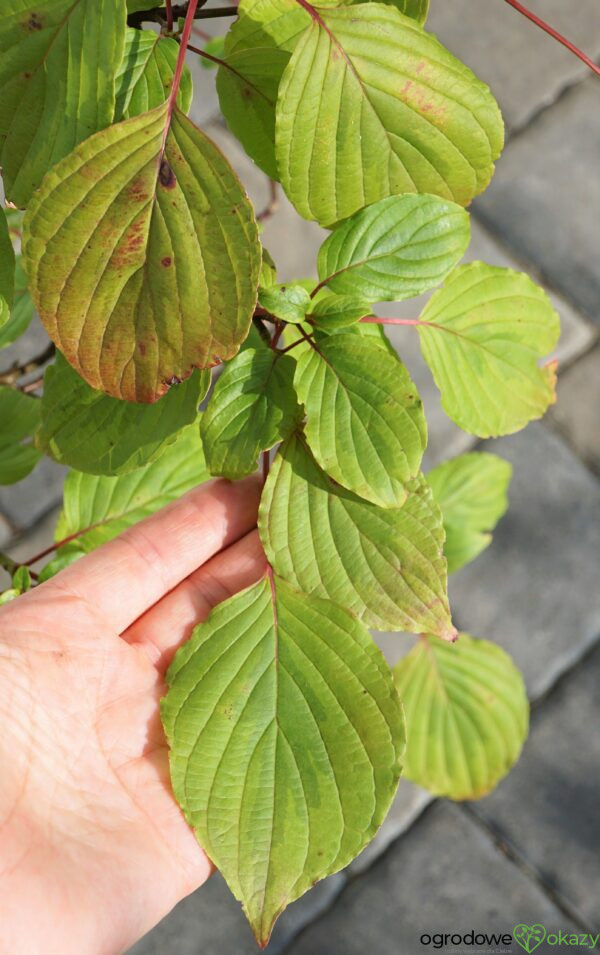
(530, 853)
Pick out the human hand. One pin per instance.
(93, 848)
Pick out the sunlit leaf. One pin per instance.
(482, 335)
(467, 715)
(143, 262)
(95, 433)
(57, 74)
(369, 106)
(385, 565)
(285, 735)
(364, 418)
(289, 302)
(145, 76)
(470, 491)
(396, 248)
(252, 407)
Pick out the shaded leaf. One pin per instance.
(482, 335)
(145, 76)
(268, 270)
(253, 406)
(369, 106)
(19, 419)
(332, 311)
(470, 491)
(364, 419)
(57, 67)
(385, 565)
(285, 733)
(289, 302)
(395, 249)
(247, 85)
(92, 432)
(467, 715)
(143, 264)
(7, 263)
(96, 509)
(17, 320)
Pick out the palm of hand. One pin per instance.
(85, 798)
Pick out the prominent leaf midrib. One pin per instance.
(392, 253)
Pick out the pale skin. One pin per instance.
(94, 850)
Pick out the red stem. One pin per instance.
(555, 34)
(169, 7)
(377, 320)
(185, 38)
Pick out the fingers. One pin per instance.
(129, 574)
(170, 622)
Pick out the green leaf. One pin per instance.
(466, 715)
(285, 733)
(145, 76)
(18, 319)
(19, 419)
(57, 66)
(268, 270)
(92, 432)
(331, 311)
(471, 492)
(7, 263)
(395, 249)
(289, 302)
(482, 335)
(417, 9)
(7, 595)
(21, 579)
(215, 47)
(385, 565)
(143, 263)
(96, 509)
(252, 407)
(247, 85)
(364, 418)
(370, 106)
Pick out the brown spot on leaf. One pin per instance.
(166, 261)
(166, 176)
(173, 380)
(142, 348)
(34, 22)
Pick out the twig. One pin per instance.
(169, 6)
(272, 204)
(158, 14)
(17, 371)
(555, 34)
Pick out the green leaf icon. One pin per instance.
(529, 936)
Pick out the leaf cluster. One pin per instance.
(141, 252)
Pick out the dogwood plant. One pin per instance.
(141, 252)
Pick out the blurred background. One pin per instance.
(530, 852)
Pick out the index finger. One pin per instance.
(130, 573)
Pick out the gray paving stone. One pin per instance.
(548, 806)
(525, 68)
(24, 503)
(31, 542)
(210, 922)
(545, 196)
(576, 413)
(445, 875)
(535, 590)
